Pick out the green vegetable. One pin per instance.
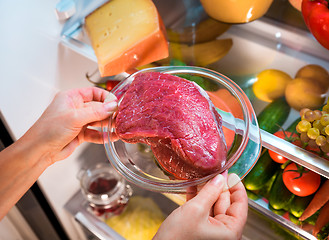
(261, 173)
(294, 219)
(197, 79)
(280, 212)
(298, 205)
(176, 62)
(274, 115)
(280, 197)
(252, 195)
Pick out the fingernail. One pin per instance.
(111, 97)
(110, 106)
(232, 180)
(219, 179)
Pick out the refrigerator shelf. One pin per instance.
(263, 37)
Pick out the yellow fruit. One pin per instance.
(315, 73)
(271, 84)
(201, 54)
(207, 30)
(302, 93)
(296, 4)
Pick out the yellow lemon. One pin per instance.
(271, 84)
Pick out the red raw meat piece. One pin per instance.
(177, 119)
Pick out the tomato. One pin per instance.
(288, 136)
(300, 181)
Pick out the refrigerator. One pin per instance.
(44, 49)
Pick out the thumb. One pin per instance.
(96, 111)
(210, 192)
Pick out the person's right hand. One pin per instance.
(214, 213)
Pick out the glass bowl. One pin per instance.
(138, 165)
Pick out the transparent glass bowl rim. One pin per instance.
(178, 185)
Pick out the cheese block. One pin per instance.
(126, 34)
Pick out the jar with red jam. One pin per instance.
(105, 190)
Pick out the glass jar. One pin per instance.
(105, 190)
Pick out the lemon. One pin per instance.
(271, 84)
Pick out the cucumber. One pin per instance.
(280, 212)
(261, 173)
(253, 195)
(274, 115)
(280, 197)
(294, 219)
(299, 204)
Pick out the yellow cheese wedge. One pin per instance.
(126, 34)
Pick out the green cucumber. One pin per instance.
(280, 212)
(280, 197)
(274, 115)
(299, 204)
(252, 195)
(261, 173)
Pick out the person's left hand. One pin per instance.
(64, 124)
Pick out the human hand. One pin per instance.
(214, 213)
(64, 124)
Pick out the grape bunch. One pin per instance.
(314, 128)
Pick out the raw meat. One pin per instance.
(177, 119)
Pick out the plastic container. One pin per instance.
(105, 190)
(136, 161)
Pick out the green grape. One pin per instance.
(328, 139)
(317, 124)
(318, 114)
(313, 133)
(303, 126)
(325, 148)
(321, 141)
(309, 116)
(323, 131)
(325, 119)
(304, 138)
(325, 108)
(326, 129)
(302, 112)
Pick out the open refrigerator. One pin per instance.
(278, 40)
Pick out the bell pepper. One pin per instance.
(316, 17)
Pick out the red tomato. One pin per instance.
(300, 181)
(288, 136)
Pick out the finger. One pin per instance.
(224, 201)
(239, 202)
(95, 111)
(93, 94)
(209, 194)
(93, 136)
(103, 123)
